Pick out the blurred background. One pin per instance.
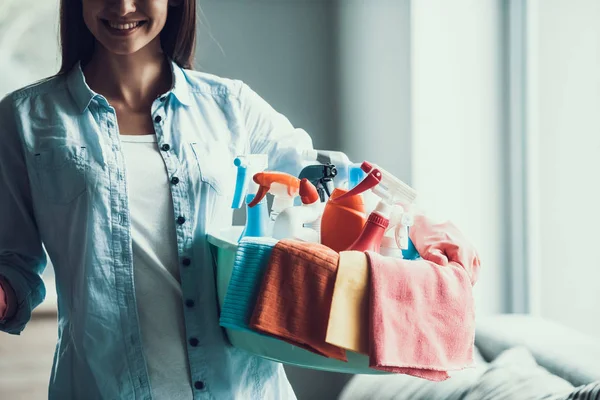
(488, 108)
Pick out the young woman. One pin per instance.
(119, 165)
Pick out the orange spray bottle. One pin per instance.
(344, 219)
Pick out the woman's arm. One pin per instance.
(272, 133)
(22, 257)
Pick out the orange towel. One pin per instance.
(294, 300)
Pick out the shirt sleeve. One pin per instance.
(272, 133)
(22, 257)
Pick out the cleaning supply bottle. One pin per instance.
(284, 188)
(343, 220)
(336, 158)
(391, 191)
(257, 218)
(290, 223)
(321, 176)
(395, 242)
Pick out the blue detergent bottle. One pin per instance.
(257, 218)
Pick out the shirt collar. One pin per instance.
(181, 86)
(83, 95)
(79, 89)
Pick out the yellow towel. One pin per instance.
(348, 325)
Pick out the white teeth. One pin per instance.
(124, 27)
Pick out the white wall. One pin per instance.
(566, 108)
(374, 83)
(28, 42)
(457, 128)
(283, 49)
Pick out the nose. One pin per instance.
(122, 7)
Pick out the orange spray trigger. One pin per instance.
(265, 180)
(308, 192)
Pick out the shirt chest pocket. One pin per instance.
(216, 168)
(60, 173)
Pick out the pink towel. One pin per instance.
(422, 320)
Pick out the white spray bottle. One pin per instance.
(290, 223)
(284, 188)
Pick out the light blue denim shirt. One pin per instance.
(62, 184)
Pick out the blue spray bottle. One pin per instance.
(257, 218)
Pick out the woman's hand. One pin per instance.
(7, 300)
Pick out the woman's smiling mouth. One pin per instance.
(122, 28)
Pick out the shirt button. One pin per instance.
(157, 119)
(174, 180)
(189, 303)
(186, 262)
(165, 147)
(180, 220)
(194, 342)
(199, 385)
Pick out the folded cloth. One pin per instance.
(348, 325)
(422, 314)
(251, 260)
(295, 297)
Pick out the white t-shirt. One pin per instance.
(156, 268)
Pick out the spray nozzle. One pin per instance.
(281, 185)
(400, 221)
(247, 166)
(321, 176)
(390, 189)
(336, 158)
(308, 192)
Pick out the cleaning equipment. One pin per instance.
(294, 299)
(337, 158)
(291, 222)
(284, 188)
(223, 247)
(321, 176)
(355, 176)
(395, 242)
(422, 313)
(343, 220)
(257, 218)
(251, 258)
(391, 191)
(348, 325)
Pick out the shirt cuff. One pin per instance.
(6, 300)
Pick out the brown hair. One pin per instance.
(178, 37)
